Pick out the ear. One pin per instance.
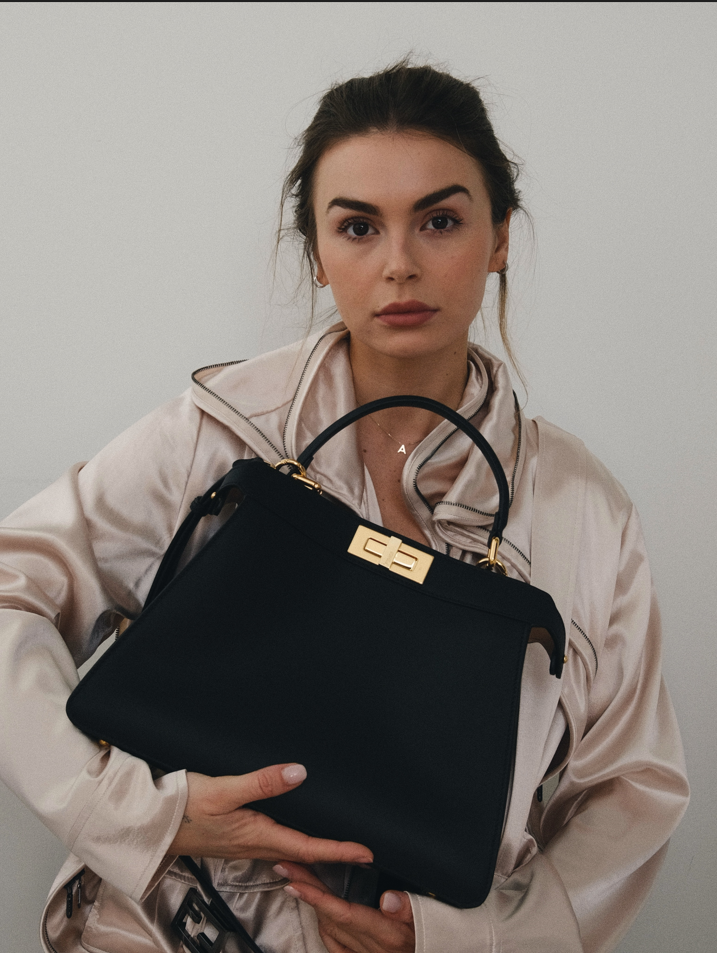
(499, 258)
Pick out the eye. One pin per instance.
(442, 222)
(355, 228)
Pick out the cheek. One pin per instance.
(349, 267)
(465, 270)
(350, 271)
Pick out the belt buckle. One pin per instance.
(195, 906)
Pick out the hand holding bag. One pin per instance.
(302, 632)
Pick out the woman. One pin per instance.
(403, 198)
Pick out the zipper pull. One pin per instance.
(69, 890)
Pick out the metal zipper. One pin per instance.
(485, 529)
(517, 452)
(430, 456)
(211, 367)
(69, 890)
(298, 388)
(584, 635)
(348, 877)
(422, 464)
(465, 506)
(47, 936)
(69, 905)
(518, 551)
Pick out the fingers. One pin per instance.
(283, 842)
(217, 824)
(333, 946)
(396, 905)
(235, 791)
(350, 925)
(298, 873)
(323, 901)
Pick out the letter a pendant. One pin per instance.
(402, 449)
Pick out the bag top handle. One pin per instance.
(425, 403)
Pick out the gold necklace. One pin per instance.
(402, 446)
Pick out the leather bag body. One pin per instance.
(428, 673)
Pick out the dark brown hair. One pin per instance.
(403, 97)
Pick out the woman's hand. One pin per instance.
(216, 823)
(350, 927)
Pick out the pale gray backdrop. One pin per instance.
(142, 149)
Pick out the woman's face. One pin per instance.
(404, 223)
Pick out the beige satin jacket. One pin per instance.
(572, 871)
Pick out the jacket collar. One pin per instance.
(278, 402)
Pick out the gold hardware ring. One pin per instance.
(287, 461)
(300, 476)
(491, 561)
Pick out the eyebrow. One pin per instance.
(367, 208)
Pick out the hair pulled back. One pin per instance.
(400, 98)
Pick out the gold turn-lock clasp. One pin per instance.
(300, 476)
(491, 561)
(391, 552)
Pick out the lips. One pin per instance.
(406, 313)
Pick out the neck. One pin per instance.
(441, 376)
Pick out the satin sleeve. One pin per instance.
(603, 835)
(71, 559)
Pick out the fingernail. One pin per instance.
(365, 861)
(282, 871)
(390, 902)
(294, 773)
(292, 891)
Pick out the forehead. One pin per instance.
(387, 168)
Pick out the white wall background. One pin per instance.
(142, 148)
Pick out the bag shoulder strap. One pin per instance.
(558, 510)
(226, 915)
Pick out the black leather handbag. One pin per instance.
(302, 632)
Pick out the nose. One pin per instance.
(401, 264)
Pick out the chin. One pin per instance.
(418, 342)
